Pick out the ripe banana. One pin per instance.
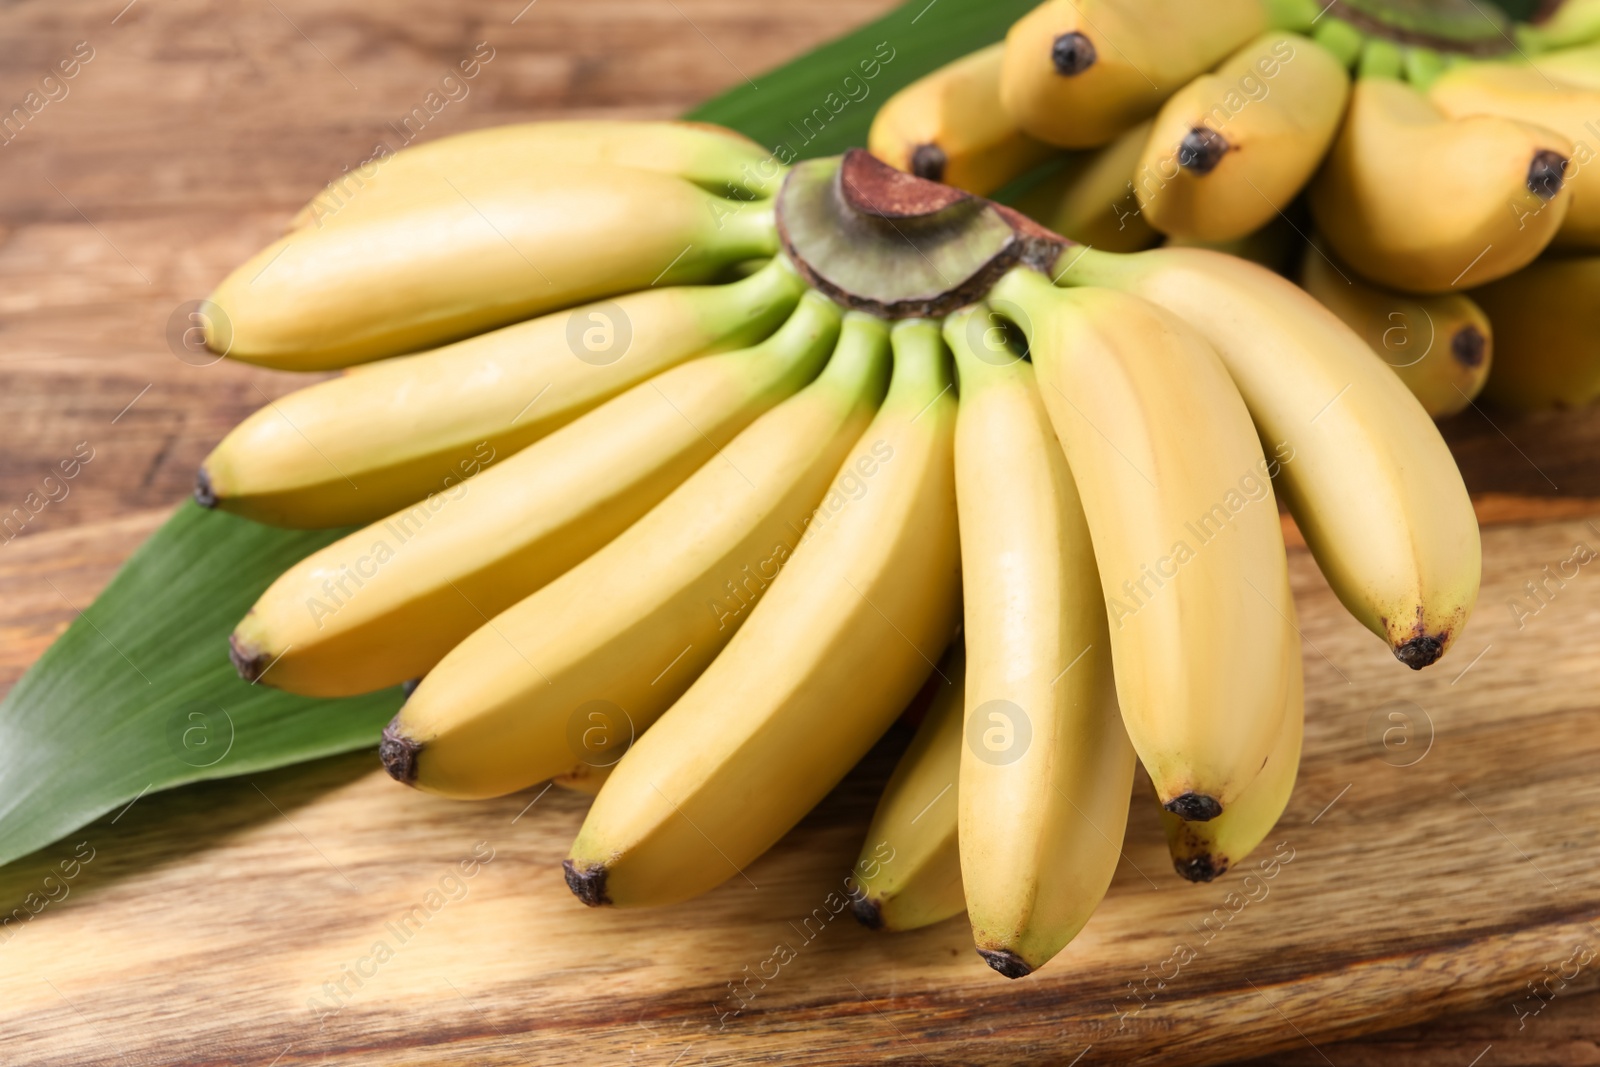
(948, 126)
(488, 249)
(569, 675)
(1524, 94)
(1047, 767)
(917, 882)
(826, 661)
(385, 603)
(1579, 67)
(1275, 246)
(1202, 851)
(1547, 327)
(1189, 549)
(712, 157)
(1440, 346)
(1233, 148)
(1363, 469)
(1090, 197)
(1420, 202)
(356, 448)
(1079, 72)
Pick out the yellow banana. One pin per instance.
(1524, 94)
(1047, 767)
(1579, 67)
(1189, 549)
(1562, 25)
(1202, 851)
(570, 674)
(948, 126)
(1547, 328)
(909, 872)
(1420, 202)
(1233, 148)
(1079, 72)
(356, 448)
(1363, 469)
(488, 249)
(1275, 246)
(1440, 346)
(385, 603)
(1090, 197)
(826, 661)
(717, 159)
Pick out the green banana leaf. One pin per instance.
(138, 694)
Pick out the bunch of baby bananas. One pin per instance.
(1433, 146)
(650, 515)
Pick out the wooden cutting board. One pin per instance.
(1437, 853)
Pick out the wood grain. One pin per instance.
(208, 917)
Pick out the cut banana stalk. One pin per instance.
(387, 602)
(1203, 851)
(909, 872)
(481, 252)
(830, 655)
(1363, 469)
(1231, 149)
(948, 126)
(574, 672)
(354, 449)
(1190, 553)
(1046, 768)
(1440, 346)
(1421, 202)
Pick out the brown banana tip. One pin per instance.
(587, 883)
(1201, 868)
(868, 912)
(1421, 651)
(1194, 807)
(1006, 962)
(399, 753)
(928, 161)
(250, 662)
(1072, 53)
(410, 687)
(1546, 174)
(204, 495)
(1468, 346)
(1201, 149)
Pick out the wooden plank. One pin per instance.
(244, 918)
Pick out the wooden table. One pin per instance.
(189, 133)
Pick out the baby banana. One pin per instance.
(1418, 201)
(571, 674)
(833, 651)
(917, 882)
(385, 603)
(1179, 502)
(1232, 148)
(1547, 326)
(1079, 72)
(359, 447)
(1046, 769)
(1440, 346)
(476, 253)
(948, 126)
(1363, 469)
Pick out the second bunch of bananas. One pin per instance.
(676, 474)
